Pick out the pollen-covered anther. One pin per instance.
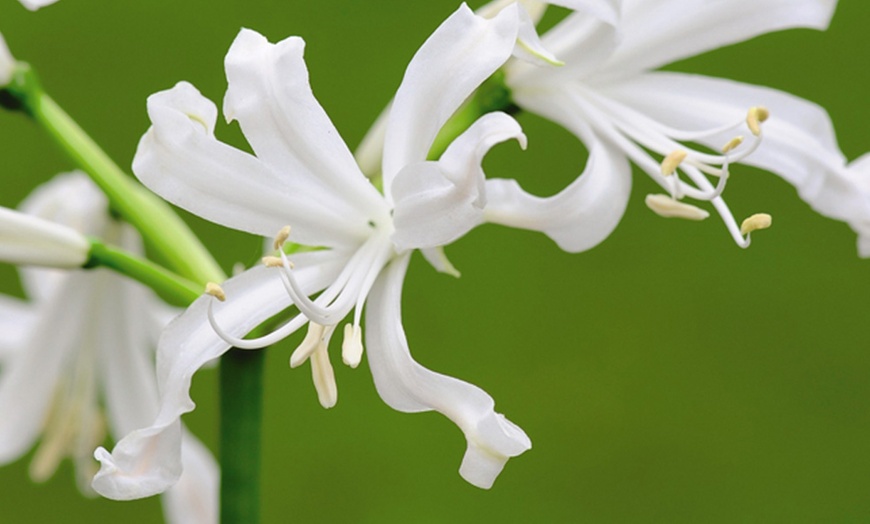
(665, 206)
(672, 161)
(351, 346)
(732, 144)
(756, 222)
(281, 237)
(275, 262)
(216, 291)
(755, 117)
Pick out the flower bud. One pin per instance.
(30, 240)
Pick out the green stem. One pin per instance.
(159, 225)
(241, 393)
(171, 288)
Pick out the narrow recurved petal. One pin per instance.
(581, 215)
(180, 159)
(438, 202)
(463, 52)
(407, 386)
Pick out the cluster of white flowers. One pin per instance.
(593, 73)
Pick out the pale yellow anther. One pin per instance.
(732, 144)
(672, 161)
(281, 237)
(274, 262)
(664, 205)
(323, 377)
(755, 117)
(755, 222)
(309, 345)
(351, 346)
(216, 291)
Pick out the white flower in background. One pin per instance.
(78, 357)
(7, 63)
(33, 5)
(303, 174)
(608, 95)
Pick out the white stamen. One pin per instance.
(309, 345)
(255, 343)
(314, 312)
(756, 222)
(351, 347)
(665, 206)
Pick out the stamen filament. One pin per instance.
(255, 343)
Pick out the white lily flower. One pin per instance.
(77, 359)
(303, 174)
(610, 97)
(33, 5)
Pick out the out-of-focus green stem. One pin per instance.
(161, 228)
(171, 288)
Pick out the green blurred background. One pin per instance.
(664, 376)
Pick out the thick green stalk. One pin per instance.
(241, 393)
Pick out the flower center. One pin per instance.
(347, 293)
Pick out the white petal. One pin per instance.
(148, 461)
(463, 52)
(798, 139)
(269, 94)
(438, 259)
(195, 498)
(438, 202)
(33, 5)
(126, 355)
(584, 213)
(7, 63)
(605, 10)
(529, 46)
(582, 42)
(28, 382)
(16, 322)
(858, 174)
(30, 240)
(180, 159)
(659, 32)
(370, 152)
(407, 386)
